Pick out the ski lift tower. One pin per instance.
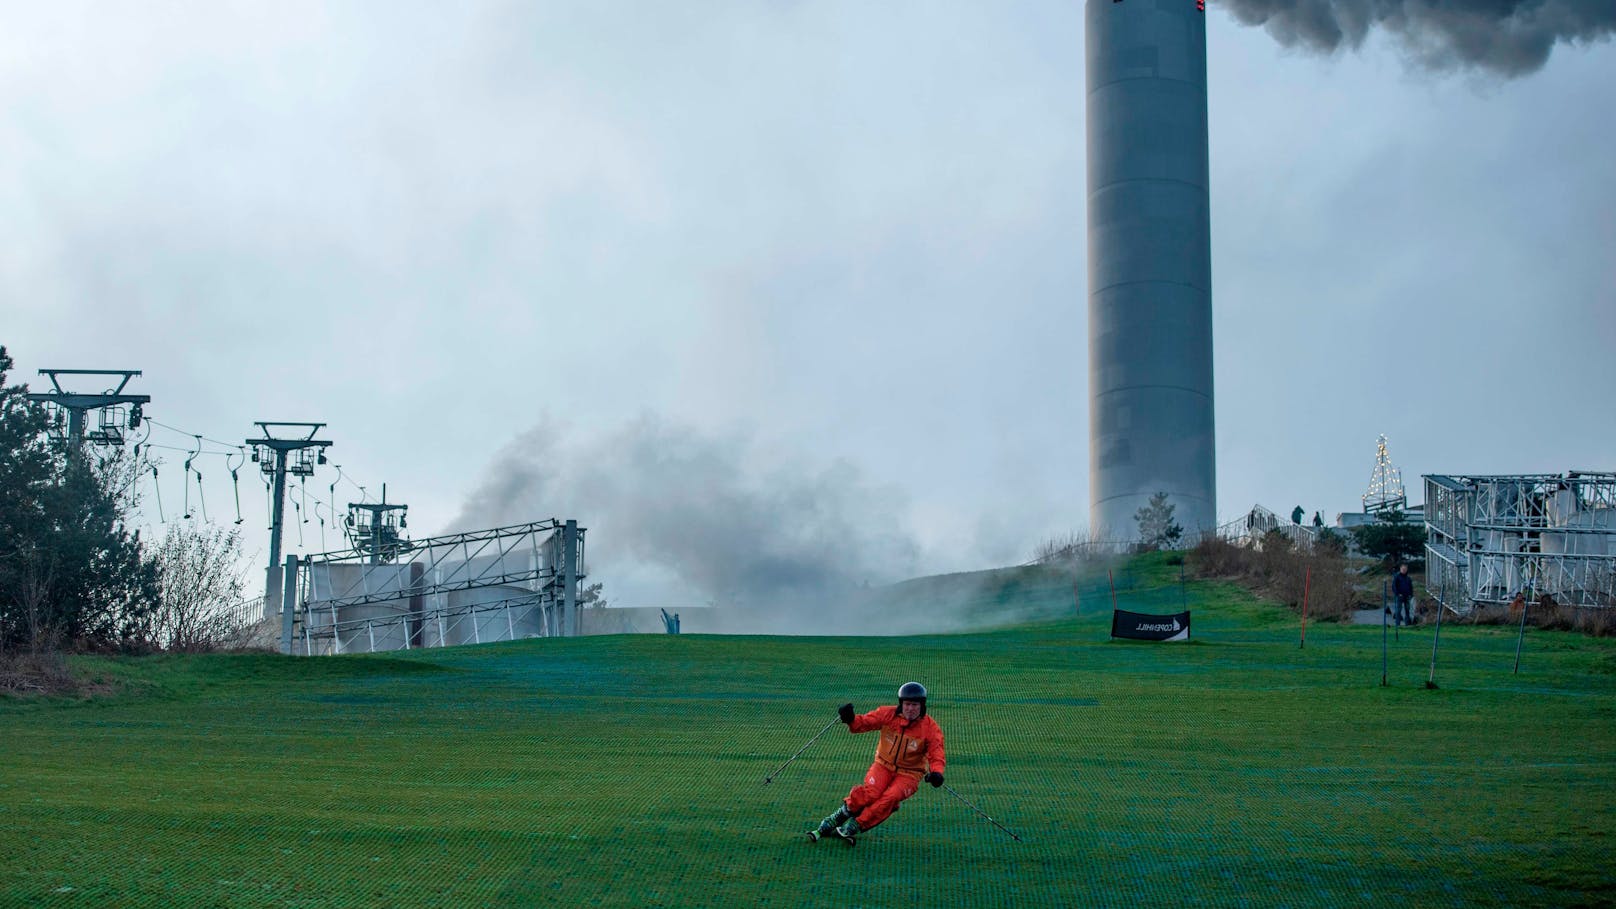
(271, 452)
(1385, 492)
(374, 527)
(110, 404)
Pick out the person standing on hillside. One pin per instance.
(910, 751)
(1403, 590)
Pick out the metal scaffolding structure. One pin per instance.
(1489, 538)
(502, 583)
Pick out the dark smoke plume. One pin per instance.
(1505, 37)
(777, 545)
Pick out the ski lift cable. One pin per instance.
(191, 442)
(342, 477)
(200, 496)
(157, 490)
(145, 437)
(230, 452)
(235, 480)
(144, 463)
(193, 455)
(229, 445)
(364, 494)
(204, 453)
(186, 470)
(317, 514)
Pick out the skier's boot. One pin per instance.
(848, 831)
(828, 826)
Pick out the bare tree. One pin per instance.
(199, 581)
(1073, 549)
(1057, 549)
(34, 582)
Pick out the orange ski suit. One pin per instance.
(901, 759)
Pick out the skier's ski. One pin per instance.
(815, 836)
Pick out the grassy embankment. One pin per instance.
(627, 771)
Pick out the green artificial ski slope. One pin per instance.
(1237, 770)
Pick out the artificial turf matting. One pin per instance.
(1238, 769)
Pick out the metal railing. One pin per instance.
(1250, 528)
(507, 619)
(244, 614)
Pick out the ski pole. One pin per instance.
(801, 750)
(980, 811)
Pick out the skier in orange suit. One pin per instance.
(910, 750)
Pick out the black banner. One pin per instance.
(1142, 627)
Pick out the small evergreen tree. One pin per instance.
(1157, 529)
(26, 472)
(1392, 539)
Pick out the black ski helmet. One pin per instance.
(912, 691)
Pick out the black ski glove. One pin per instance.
(846, 713)
(935, 779)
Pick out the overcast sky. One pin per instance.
(754, 289)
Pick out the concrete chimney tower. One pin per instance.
(1150, 265)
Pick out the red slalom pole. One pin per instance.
(1307, 585)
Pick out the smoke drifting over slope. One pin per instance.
(1505, 37)
(779, 546)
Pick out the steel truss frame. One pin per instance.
(1485, 535)
(530, 557)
